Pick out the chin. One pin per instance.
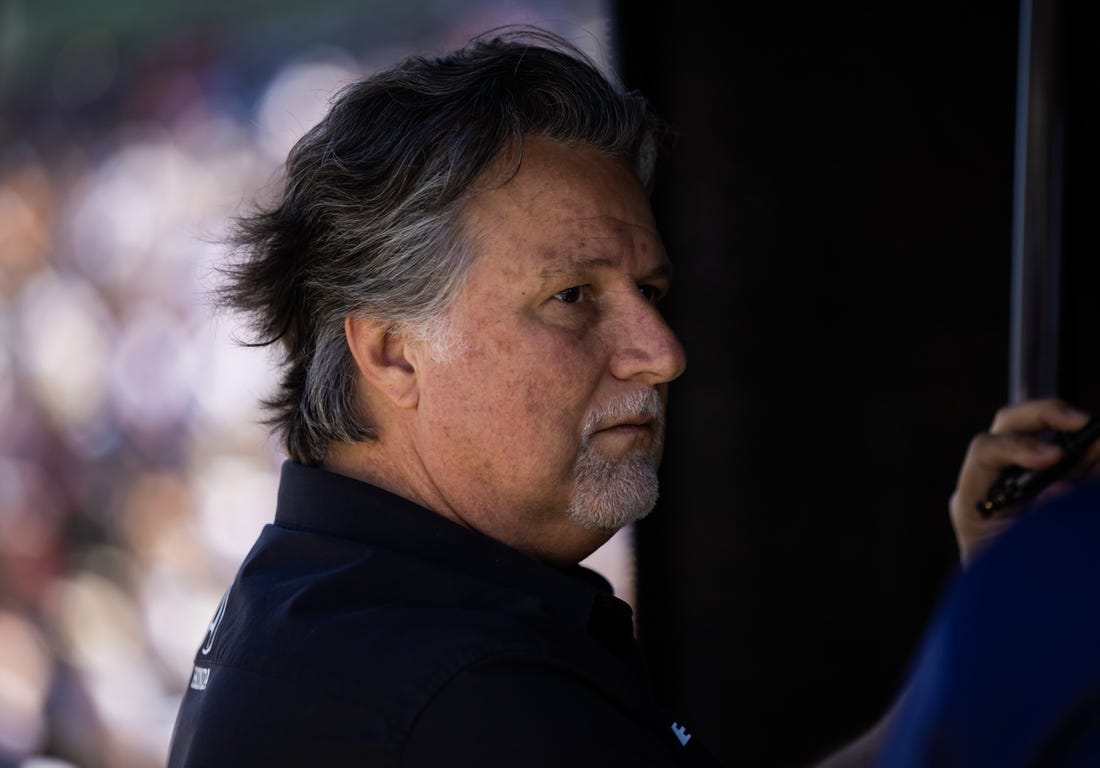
(609, 519)
(616, 495)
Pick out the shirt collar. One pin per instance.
(317, 500)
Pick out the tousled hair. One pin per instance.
(368, 219)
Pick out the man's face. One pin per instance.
(545, 429)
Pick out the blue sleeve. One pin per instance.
(1009, 672)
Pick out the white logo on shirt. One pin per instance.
(214, 625)
(200, 677)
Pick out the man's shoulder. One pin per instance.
(288, 659)
(323, 619)
(368, 614)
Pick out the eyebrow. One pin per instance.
(662, 270)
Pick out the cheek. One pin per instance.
(535, 389)
(552, 380)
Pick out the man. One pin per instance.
(463, 273)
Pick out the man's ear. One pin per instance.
(381, 358)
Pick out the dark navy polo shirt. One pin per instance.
(363, 629)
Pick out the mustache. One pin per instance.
(640, 405)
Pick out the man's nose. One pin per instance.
(646, 348)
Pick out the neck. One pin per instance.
(379, 464)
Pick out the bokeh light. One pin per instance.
(135, 471)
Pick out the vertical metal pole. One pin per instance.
(1037, 205)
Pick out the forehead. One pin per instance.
(566, 205)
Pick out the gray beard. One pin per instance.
(612, 492)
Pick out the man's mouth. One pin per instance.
(629, 433)
(630, 426)
(636, 418)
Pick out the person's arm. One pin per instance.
(1010, 441)
(1008, 675)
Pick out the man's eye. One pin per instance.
(652, 293)
(570, 295)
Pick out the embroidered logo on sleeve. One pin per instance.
(681, 734)
(200, 676)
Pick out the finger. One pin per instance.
(1038, 415)
(1015, 439)
(992, 453)
(988, 456)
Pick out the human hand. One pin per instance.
(1013, 440)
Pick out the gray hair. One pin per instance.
(369, 219)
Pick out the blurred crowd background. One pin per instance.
(134, 472)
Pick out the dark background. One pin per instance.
(838, 207)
